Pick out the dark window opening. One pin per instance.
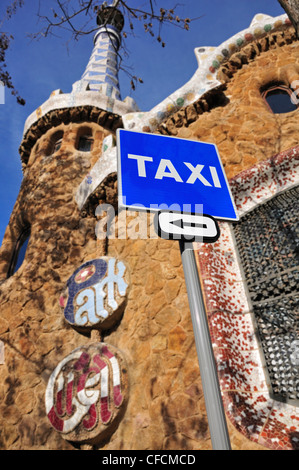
(268, 245)
(85, 143)
(53, 143)
(57, 145)
(84, 139)
(19, 252)
(279, 99)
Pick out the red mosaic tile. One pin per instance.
(248, 412)
(246, 396)
(281, 431)
(241, 371)
(232, 331)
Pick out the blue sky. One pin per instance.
(39, 67)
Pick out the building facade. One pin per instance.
(97, 344)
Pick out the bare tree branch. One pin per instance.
(78, 18)
(5, 40)
(152, 18)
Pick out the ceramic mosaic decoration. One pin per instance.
(87, 392)
(205, 78)
(98, 86)
(102, 70)
(244, 378)
(96, 294)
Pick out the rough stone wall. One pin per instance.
(32, 329)
(166, 409)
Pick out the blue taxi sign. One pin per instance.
(159, 172)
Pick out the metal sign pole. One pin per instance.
(149, 180)
(213, 401)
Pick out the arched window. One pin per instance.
(84, 140)
(18, 255)
(279, 99)
(268, 245)
(53, 144)
(56, 141)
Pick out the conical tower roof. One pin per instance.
(101, 73)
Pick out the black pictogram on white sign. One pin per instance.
(187, 227)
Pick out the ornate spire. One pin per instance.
(99, 85)
(102, 69)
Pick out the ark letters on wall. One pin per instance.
(95, 295)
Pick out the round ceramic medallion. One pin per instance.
(96, 294)
(87, 393)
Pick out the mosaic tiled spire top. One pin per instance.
(99, 85)
(102, 70)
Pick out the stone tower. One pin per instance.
(62, 142)
(97, 345)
